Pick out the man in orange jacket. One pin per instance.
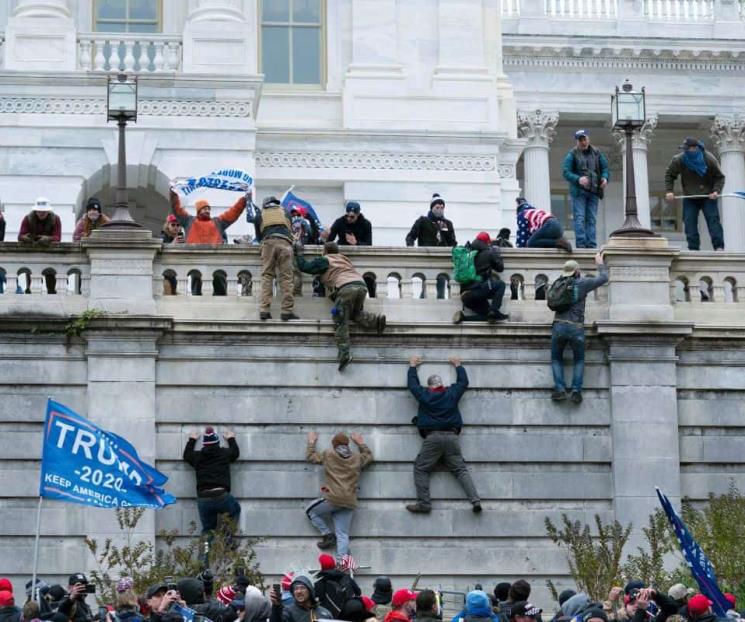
(202, 228)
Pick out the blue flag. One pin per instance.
(699, 564)
(82, 463)
(290, 200)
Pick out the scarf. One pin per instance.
(695, 161)
(343, 451)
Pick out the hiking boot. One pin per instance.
(328, 541)
(265, 315)
(476, 507)
(418, 508)
(564, 245)
(559, 396)
(344, 360)
(381, 324)
(497, 316)
(458, 317)
(576, 397)
(286, 317)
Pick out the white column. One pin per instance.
(640, 143)
(218, 39)
(539, 128)
(728, 134)
(40, 36)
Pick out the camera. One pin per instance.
(170, 584)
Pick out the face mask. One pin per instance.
(94, 215)
(203, 214)
(438, 212)
(343, 451)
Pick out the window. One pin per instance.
(291, 41)
(128, 15)
(665, 216)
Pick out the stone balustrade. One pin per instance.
(592, 9)
(150, 53)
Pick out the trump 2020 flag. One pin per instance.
(82, 463)
(701, 568)
(232, 179)
(290, 200)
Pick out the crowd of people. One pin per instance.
(331, 592)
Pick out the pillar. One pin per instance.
(728, 133)
(40, 36)
(539, 128)
(640, 144)
(218, 39)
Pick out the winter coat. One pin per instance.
(487, 259)
(296, 613)
(438, 410)
(712, 181)
(576, 313)
(209, 231)
(212, 463)
(347, 583)
(573, 168)
(396, 616)
(360, 228)
(85, 225)
(432, 231)
(341, 475)
(32, 228)
(10, 614)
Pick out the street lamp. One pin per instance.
(628, 112)
(121, 106)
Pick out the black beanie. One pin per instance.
(504, 233)
(436, 200)
(93, 203)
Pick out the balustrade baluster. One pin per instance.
(430, 288)
(11, 284)
(115, 58)
(182, 285)
(158, 59)
(84, 55)
(61, 285)
(99, 60)
(129, 58)
(143, 61)
(407, 288)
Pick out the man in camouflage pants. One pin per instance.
(346, 287)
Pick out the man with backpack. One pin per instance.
(566, 297)
(334, 589)
(484, 261)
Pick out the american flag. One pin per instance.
(347, 563)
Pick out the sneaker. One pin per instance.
(328, 541)
(458, 317)
(564, 245)
(286, 317)
(418, 508)
(497, 316)
(381, 324)
(476, 507)
(265, 315)
(344, 360)
(559, 396)
(576, 397)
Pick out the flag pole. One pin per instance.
(34, 590)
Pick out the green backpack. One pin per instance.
(464, 268)
(561, 294)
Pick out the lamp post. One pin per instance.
(628, 112)
(121, 106)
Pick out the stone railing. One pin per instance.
(150, 53)
(690, 12)
(679, 10)
(591, 9)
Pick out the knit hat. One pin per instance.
(6, 585)
(326, 561)
(339, 439)
(56, 593)
(401, 597)
(6, 599)
(484, 237)
(201, 203)
(93, 203)
(731, 599)
(352, 207)
(270, 202)
(209, 437)
(504, 232)
(124, 584)
(286, 581)
(569, 269)
(42, 204)
(565, 596)
(226, 594)
(698, 605)
(594, 613)
(436, 200)
(477, 600)
(382, 590)
(524, 608)
(679, 591)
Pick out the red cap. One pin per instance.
(287, 581)
(6, 585)
(368, 603)
(6, 599)
(698, 605)
(327, 561)
(484, 237)
(401, 597)
(731, 599)
(171, 218)
(226, 594)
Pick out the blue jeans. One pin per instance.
(561, 335)
(547, 235)
(211, 507)
(477, 299)
(585, 212)
(691, 208)
(321, 511)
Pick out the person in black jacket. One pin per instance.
(476, 295)
(433, 229)
(212, 466)
(334, 588)
(352, 229)
(439, 422)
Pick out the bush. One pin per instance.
(147, 564)
(649, 565)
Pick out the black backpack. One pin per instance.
(333, 595)
(561, 295)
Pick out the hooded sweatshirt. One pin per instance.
(575, 605)
(258, 608)
(212, 463)
(438, 409)
(341, 475)
(478, 607)
(10, 614)
(295, 613)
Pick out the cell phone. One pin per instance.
(170, 584)
(102, 614)
(277, 589)
(90, 588)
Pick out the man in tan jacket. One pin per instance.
(342, 469)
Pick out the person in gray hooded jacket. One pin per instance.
(304, 606)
